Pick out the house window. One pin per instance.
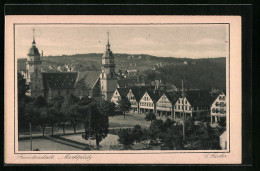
(185, 107)
(189, 108)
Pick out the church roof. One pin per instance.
(59, 80)
(90, 78)
(33, 51)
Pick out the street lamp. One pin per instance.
(30, 125)
(183, 115)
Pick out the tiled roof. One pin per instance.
(154, 95)
(90, 77)
(173, 96)
(139, 91)
(214, 96)
(59, 80)
(198, 97)
(123, 91)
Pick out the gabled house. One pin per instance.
(134, 95)
(195, 103)
(118, 94)
(165, 104)
(148, 101)
(218, 108)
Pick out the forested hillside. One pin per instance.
(204, 74)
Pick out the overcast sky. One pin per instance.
(192, 41)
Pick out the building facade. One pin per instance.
(194, 103)
(148, 102)
(166, 103)
(218, 108)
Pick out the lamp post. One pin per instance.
(29, 120)
(183, 114)
(89, 130)
(30, 136)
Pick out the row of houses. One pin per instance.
(194, 103)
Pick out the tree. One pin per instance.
(22, 124)
(70, 107)
(30, 118)
(124, 104)
(137, 134)
(61, 115)
(107, 107)
(96, 122)
(150, 117)
(40, 102)
(22, 101)
(42, 119)
(22, 86)
(203, 137)
(173, 137)
(52, 116)
(125, 138)
(155, 130)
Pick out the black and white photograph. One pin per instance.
(82, 89)
(118, 87)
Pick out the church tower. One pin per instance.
(33, 71)
(108, 77)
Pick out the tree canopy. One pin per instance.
(124, 104)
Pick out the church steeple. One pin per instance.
(108, 77)
(33, 70)
(33, 43)
(108, 44)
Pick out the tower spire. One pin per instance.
(33, 43)
(108, 44)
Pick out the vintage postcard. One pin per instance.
(123, 90)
